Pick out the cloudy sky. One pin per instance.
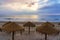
(18, 6)
(29, 7)
(12, 7)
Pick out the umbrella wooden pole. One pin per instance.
(45, 36)
(29, 30)
(21, 32)
(12, 35)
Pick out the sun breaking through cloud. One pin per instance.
(19, 5)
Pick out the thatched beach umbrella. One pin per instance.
(29, 24)
(47, 29)
(48, 24)
(12, 27)
(1, 29)
(6, 23)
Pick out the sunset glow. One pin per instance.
(26, 16)
(19, 5)
(29, 10)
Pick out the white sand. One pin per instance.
(32, 36)
(25, 36)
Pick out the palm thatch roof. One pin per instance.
(7, 23)
(12, 27)
(47, 28)
(48, 24)
(29, 24)
(0, 29)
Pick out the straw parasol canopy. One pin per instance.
(1, 29)
(29, 24)
(48, 24)
(7, 23)
(12, 27)
(47, 29)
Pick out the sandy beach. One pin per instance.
(25, 36)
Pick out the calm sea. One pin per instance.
(35, 18)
